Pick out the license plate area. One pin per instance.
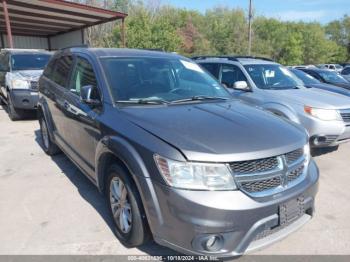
(291, 211)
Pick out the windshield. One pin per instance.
(332, 77)
(272, 77)
(306, 78)
(29, 61)
(160, 79)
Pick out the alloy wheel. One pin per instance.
(121, 208)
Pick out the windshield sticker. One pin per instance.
(192, 66)
(269, 73)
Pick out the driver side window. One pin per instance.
(231, 74)
(83, 75)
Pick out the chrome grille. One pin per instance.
(345, 116)
(269, 175)
(34, 85)
(294, 155)
(261, 185)
(292, 175)
(254, 166)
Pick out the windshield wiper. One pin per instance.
(144, 102)
(198, 98)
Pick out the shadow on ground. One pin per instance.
(28, 116)
(90, 193)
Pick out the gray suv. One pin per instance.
(177, 157)
(264, 83)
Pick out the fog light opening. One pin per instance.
(320, 140)
(213, 243)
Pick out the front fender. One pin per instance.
(122, 150)
(44, 109)
(125, 152)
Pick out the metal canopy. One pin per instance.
(47, 18)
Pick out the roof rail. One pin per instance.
(75, 46)
(152, 49)
(232, 58)
(255, 57)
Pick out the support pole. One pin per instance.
(123, 33)
(250, 16)
(8, 25)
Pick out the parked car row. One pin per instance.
(207, 156)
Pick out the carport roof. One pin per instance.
(52, 17)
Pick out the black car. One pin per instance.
(328, 77)
(173, 151)
(311, 82)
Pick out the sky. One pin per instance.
(322, 11)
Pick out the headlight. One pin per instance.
(20, 84)
(323, 114)
(197, 176)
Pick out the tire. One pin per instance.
(49, 147)
(14, 113)
(2, 100)
(131, 209)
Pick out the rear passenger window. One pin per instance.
(231, 74)
(83, 75)
(62, 69)
(214, 69)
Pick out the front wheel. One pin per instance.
(14, 113)
(131, 227)
(48, 145)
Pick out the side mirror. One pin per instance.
(86, 96)
(241, 85)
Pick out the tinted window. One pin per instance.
(272, 76)
(306, 78)
(161, 79)
(62, 69)
(29, 61)
(230, 74)
(332, 77)
(315, 75)
(346, 71)
(83, 75)
(214, 69)
(49, 68)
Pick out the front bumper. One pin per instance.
(181, 219)
(326, 133)
(25, 99)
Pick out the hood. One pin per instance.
(331, 88)
(312, 97)
(219, 132)
(32, 75)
